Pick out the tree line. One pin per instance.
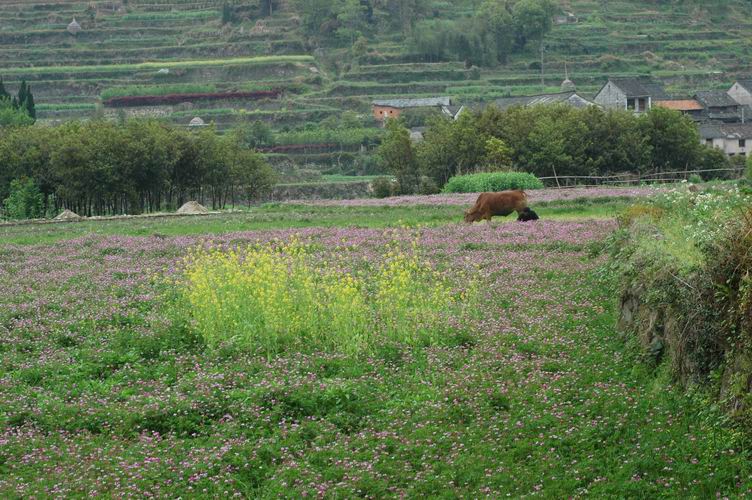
(17, 110)
(498, 29)
(546, 141)
(102, 167)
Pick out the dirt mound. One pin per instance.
(193, 207)
(67, 215)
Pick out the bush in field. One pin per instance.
(749, 169)
(274, 298)
(25, 200)
(492, 181)
(383, 187)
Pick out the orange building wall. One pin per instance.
(381, 113)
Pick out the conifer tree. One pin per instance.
(3, 93)
(29, 104)
(23, 92)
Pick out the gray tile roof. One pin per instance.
(640, 87)
(715, 99)
(570, 98)
(414, 103)
(726, 130)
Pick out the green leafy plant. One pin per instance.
(25, 200)
(495, 181)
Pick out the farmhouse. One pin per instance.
(741, 92)
(637, 94)
(393, 108)
(719, 106)
(568, 98)
(733, 139)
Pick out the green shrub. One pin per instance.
(749, 169)
(695, 179)
(25, 200)
(270, 298)
(493, 181)
(383, 187)
(427, 186)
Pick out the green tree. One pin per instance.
(25, 200)
(4, 95)
(351, 15)
(29, 106)
(673, 138)
(532, 20)
(11, 116)
(397, 156)
(496, 22)
(498, 155)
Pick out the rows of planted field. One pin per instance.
(193, 357)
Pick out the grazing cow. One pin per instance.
(527, 214)
(489, 204)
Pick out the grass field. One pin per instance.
(107, 388)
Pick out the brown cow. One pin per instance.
(489, 204)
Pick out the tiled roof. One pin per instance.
(715, 99)
(414, 103)
(640, 87)
(680, 105)
(726, 130)
(570, 98)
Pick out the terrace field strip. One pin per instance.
(103, 394)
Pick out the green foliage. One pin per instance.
(492, 181)
(12, 116)
(451, 147)
(144, 90)
(18, 110)
(564, 141)
(749, 168)
(397, 156)
(25, 200)
(101, 167)
(383, 187)
(684, 261)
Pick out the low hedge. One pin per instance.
(492, 181)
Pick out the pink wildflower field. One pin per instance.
(104, 393)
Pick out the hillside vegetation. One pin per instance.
(328, 56)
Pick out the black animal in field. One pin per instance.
(526, 215)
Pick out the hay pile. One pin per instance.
(193, 207)
(67, 215)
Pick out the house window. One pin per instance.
(742, 143)
(630, 103)
(708, 142)
(642, 104)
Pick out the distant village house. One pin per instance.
(636, 94)
(732, 138)
(393, 108)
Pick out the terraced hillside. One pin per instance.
(165, 47)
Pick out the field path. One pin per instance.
(102, 395)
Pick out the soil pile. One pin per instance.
(193, 207)
(67, 215)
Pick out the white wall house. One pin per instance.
(732, 138)
(635, 94)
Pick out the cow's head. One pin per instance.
(470, 216)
